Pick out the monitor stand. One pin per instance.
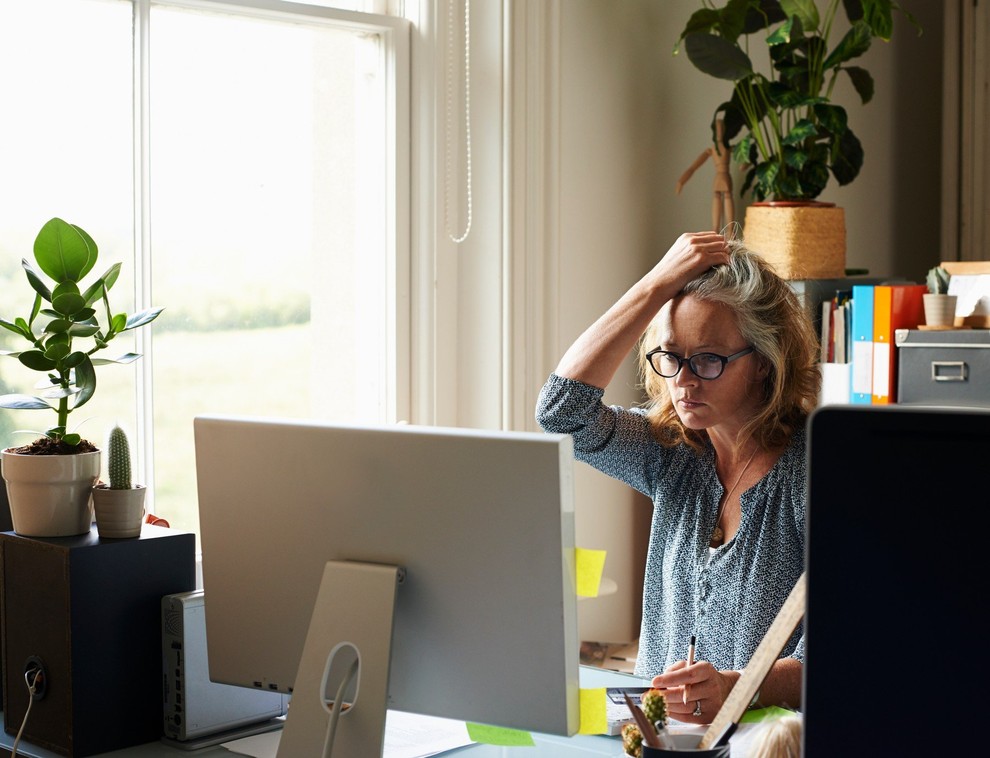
(353, 612)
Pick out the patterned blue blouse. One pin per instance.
(726, 597)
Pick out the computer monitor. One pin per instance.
(897, 577)
(481, 524)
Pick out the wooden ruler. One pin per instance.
(767, 652)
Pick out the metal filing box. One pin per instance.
(943, 368)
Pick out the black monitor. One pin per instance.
(442, 558)
(899, 502)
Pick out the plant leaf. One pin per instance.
(140, 319)
(85, 380)
(36, 360)
(806, 12)
(63, 251)
(732, 19)
(96, 289)
(702, 20)
(762, 14)
(879, 15)
(849, 157)
(56, 351)
(120, 359)
(57, 393)
(74, 359)
(86, 329)
(856, 42)
(717, 57)
(57, 326)
(20, 327)
(35, 280)
(832, 117)
(68, 303)
(22, 402)
(782, 34)
(111, 275)
(862, 81)
(35, 309)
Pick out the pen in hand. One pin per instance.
(690, 660)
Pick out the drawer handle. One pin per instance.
(949, 371)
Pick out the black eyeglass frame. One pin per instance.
(725, 360)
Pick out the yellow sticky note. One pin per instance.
(589, 564)
(593, 720)
(499, 735)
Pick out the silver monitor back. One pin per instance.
(481, 521)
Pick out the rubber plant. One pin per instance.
(780, 57)
(67, 326)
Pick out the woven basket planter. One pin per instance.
(800, 240)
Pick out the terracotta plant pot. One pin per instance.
(50, 495)
(119, 513)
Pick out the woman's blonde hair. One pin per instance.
(774, 322)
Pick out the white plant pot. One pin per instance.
(940, 310)
(50, 495)
(119, 513)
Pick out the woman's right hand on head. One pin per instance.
(692, 254)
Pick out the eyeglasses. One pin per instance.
(702, 365)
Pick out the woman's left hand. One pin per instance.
(695, 693)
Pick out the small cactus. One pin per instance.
(632, 740)
(938, 281)
(118, 459)
(654, 705)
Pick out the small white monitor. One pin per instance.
(481, 522)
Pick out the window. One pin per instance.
(241, 162)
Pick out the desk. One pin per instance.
(547, 746)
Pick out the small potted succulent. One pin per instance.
(940, 306)
(653, 704)
(49, 481)
(118, 504)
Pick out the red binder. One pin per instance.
(895, 306)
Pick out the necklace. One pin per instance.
(717, 533)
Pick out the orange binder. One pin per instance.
(895, 306)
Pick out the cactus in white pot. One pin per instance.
(939, 305)
(118, 459)
(119, 505)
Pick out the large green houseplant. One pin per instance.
(67, 325)
(780, 57)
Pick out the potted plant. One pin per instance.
(940, 306)
(780, 57)
(119, 504)
(49, 481)
(653, 707)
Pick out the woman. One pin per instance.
(729, 363)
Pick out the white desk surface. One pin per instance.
(548, 746)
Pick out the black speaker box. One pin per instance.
(88, 611)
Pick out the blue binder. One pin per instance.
(862, 344)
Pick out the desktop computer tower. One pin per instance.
(88, 611)
(198, 711)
